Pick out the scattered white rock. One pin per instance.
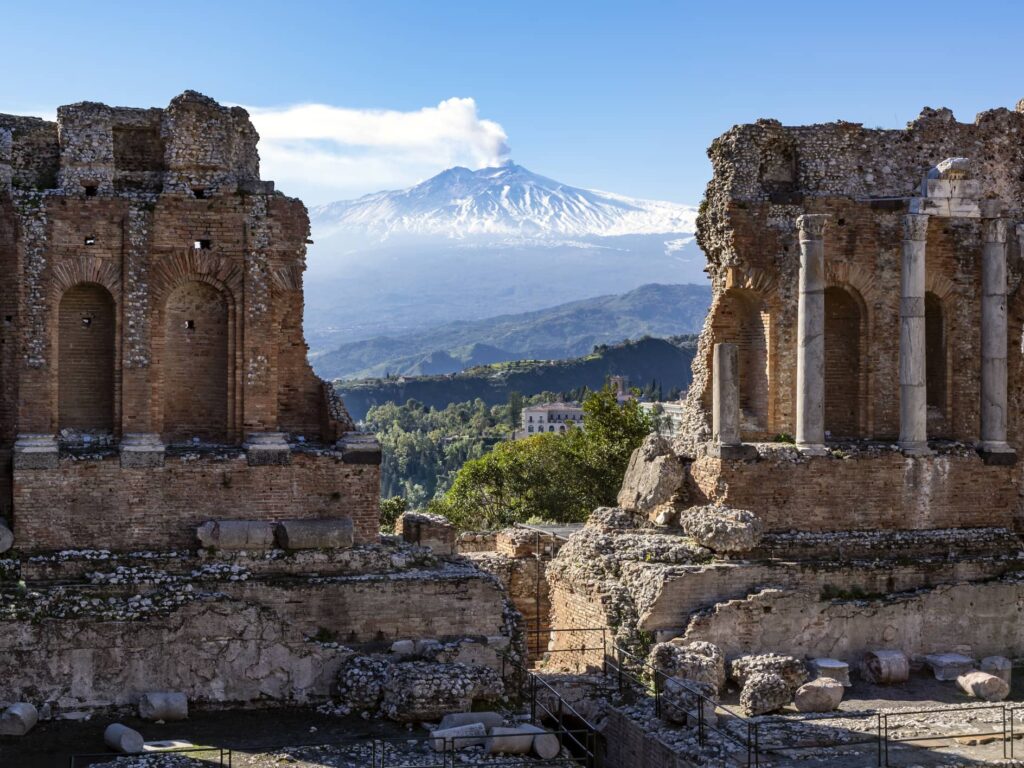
(821, 695)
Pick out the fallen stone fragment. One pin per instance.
(699, 661)
(653, 476)
(682, 700)
(764, 692)
(335, 533)
(459, 737)
(1000, 666)
(486, 719)
(403, 647)
(791, 669)
(545, 744)
(121, 738)
(510, 741)
(722, 529)
(949, 666)
(163, 705)
(821, 695)
(6, 537)
(18, 719)
(885, 667)
(236, 534)
(832, 668)
(982, 685)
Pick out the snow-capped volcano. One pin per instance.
(507, 201)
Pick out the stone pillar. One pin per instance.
(725, 401)
(263, 448)
(913, 373)
(810, 355)
(35, 450)
(993, 446)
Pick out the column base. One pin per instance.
(36, 451)
(812, 449)
(267, 449)
(915, 448)
(737, 452)
(997, 454)
(141, 450)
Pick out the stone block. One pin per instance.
(546, 745)
(163, 705)
(6, 537)
(18, 719)
(458, 737)
(722, 529)
(821, 695)
(962, 208)
(315, 534)
(141, 451)
(267, 449)
(653, 476)
(1000, 666)
(35, 451)
(236, 534)
(885, 667)
(432, 531)
(764, 692)
(791, 669)
(948, 666)
(487, 719)
(359, 448)
(510, 741)
(832, 668)
(121, 738)
(982, 685)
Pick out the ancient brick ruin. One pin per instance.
(191, 508)
(847, 482)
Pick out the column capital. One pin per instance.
(994, 230)
(915, 226)
(812, 225)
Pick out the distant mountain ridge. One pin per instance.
(563, 331)
(467, 245)
(664, 361)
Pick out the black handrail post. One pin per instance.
(879, 716)
(885, 723)
(533, 698)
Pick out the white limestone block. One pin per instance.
(1000, 666)
(834, 669)
(545, 744)
(18, 719)
(982, 685)
(948, 666)
(459, 737)
(163, 705)
(510, 741)
(487, 719)
(821, 695)
(121, 738)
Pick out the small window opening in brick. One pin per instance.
(90, 240)
(202, 245)
(842, 222)
(190, 325)
(90, 190)
(86, 321)
(199, 192)
(8, 319)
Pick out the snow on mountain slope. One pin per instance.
(507, 201)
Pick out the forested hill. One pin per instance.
(664, 362)
(567, 330)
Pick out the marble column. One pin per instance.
(913, 373)
(725, 404)
(993, 335)
(810, 356)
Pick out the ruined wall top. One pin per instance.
(194, 146)
(768, 162)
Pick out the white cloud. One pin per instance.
(323, 153)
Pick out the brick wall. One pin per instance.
(86, 359)
(886, 491)
(96, 503)
(195, 372)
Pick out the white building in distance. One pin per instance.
(550, 417)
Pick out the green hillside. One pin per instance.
(664, 361)
(564, 331)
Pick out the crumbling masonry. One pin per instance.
(191, 509)
(847, 480)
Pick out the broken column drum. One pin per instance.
(810, 361)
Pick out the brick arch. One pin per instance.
(196, 363)
(742, 317)
(846, 379)
(188, 265)
(69, 273)
(87, 376)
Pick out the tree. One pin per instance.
(557, 477)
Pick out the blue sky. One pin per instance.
(623, 96)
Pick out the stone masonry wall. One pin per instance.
(886, 491)
(97, 501)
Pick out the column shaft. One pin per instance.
(993, 337)
(810, 359)
(726, 396)
(913, 374)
